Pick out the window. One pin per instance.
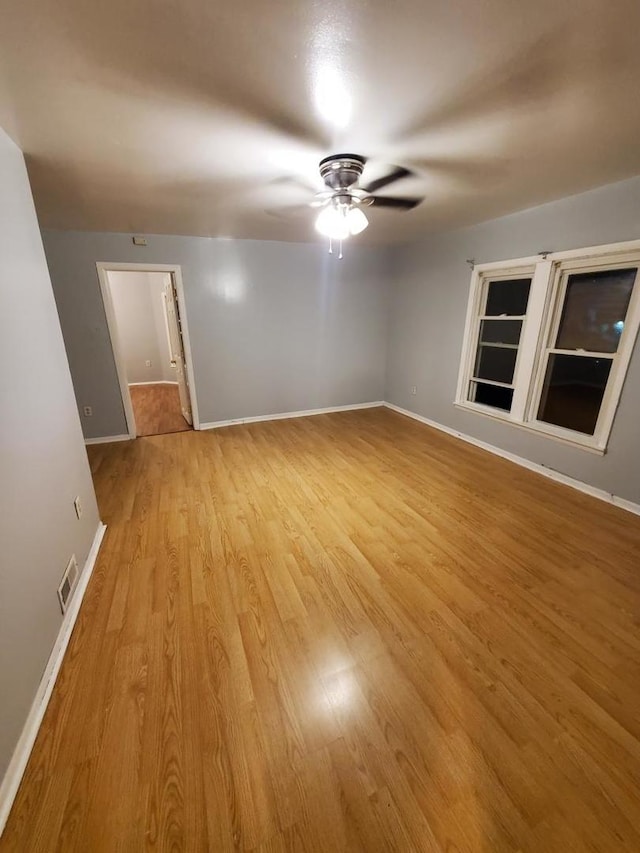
(502, 312)
(548, 341)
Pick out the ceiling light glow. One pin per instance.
(332, 99)
(332, 222)
(339, 221)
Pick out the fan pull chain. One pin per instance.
(340, 255)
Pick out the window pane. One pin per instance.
(491, 395)
(495, 363)
(573, 389)
(509, 296)
(594, 310)
(501, 331)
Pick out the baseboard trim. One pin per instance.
(17, 765)
(107, 439)
(285, 415)
(155, 382)
(551, 473)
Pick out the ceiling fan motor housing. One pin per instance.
(341, 171)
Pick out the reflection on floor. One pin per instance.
(346, 632)
(156, 408)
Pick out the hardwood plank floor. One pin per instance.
(156, 409)
(343, 632)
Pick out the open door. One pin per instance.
(176, 347)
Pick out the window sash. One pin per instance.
(482, 381)
(502, 316)
(558, 282)
(544, 369)
(585, 353)
(478, 301)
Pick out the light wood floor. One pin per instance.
(343, 632)
(156, 409)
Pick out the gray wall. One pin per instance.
(427, 316)
(279, 327)
(142, 333)
(43, 463)
(274, 327)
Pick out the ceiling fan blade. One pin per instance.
(468, 171)
(396, 203)
(377, 184)
(295, 181)
(530, 77)
(288, 210)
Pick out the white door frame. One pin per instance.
(104, 268)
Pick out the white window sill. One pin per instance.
(583, 443)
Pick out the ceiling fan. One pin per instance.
(341, 215)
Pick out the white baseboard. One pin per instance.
(155, 382)
(282, 416)
(551, 473)
(107, 439)
(17, 765)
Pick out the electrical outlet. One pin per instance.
(148, 362)
(139, 241)
(78, 507)
(88, 411)
(414, 390)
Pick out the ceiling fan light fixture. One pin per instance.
(341, 203)
(332, 223)
(356, 220)
(339, 221)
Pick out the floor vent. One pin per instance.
(68, 583)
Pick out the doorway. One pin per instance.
(144, 305)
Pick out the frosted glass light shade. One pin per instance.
(332, 222)
(338, 222)
(356, 220)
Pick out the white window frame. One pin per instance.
(539, 330)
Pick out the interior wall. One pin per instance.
(428, 308)
(43, 462)
(274, 327)
(281, 327)
(138, 308)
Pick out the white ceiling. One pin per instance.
(191, 117)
